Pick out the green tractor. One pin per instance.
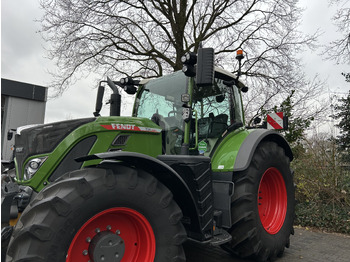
(182, 168)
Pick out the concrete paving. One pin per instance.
(306, 246)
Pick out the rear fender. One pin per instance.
(251, 142)
(167, 176)
(237, 153)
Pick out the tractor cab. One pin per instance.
(214, 108)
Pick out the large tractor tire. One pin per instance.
(263, 205)
(100, 214)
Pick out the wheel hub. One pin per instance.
(272, 200)
(106, 246)
(114, 234)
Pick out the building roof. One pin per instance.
(23, 90)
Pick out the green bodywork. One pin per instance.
(223, 159)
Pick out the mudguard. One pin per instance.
(167, 176)
(236, 149)
(235, 154)
(251, 142)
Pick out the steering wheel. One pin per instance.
(156, 118)
(172, 112)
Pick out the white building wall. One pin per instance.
(19, 112)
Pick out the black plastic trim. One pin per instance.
(8, 192)
(196, 172)
(223, 191)
(68, 164)
(121, 140)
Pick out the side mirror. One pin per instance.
(9, 135)
(257, 120)
(100, 93)
(220, 98)
(205, 67)
(244, 89)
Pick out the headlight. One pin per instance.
(32, 166)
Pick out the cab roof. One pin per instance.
(219, 72)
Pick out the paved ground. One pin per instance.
(306, 246)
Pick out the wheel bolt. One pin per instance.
(109, 227)
(102, 258)
(117, 232)
(88, 239)
(85, 252)
(97, 230)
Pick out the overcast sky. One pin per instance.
(23, 56)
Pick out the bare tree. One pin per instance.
(148, 38)
(339, 49)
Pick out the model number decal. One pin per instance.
(131, 128)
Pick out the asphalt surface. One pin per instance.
(306, 246)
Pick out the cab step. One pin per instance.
(221, 238)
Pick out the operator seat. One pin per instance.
(212, 126)
(218, 125)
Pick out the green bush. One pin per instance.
(322, 186)
(325, 217)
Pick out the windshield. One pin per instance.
(160, 101)
(161, 96)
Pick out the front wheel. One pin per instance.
(114, 214)
(263, 205)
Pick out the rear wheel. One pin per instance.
(263, 205)
(114, 214)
